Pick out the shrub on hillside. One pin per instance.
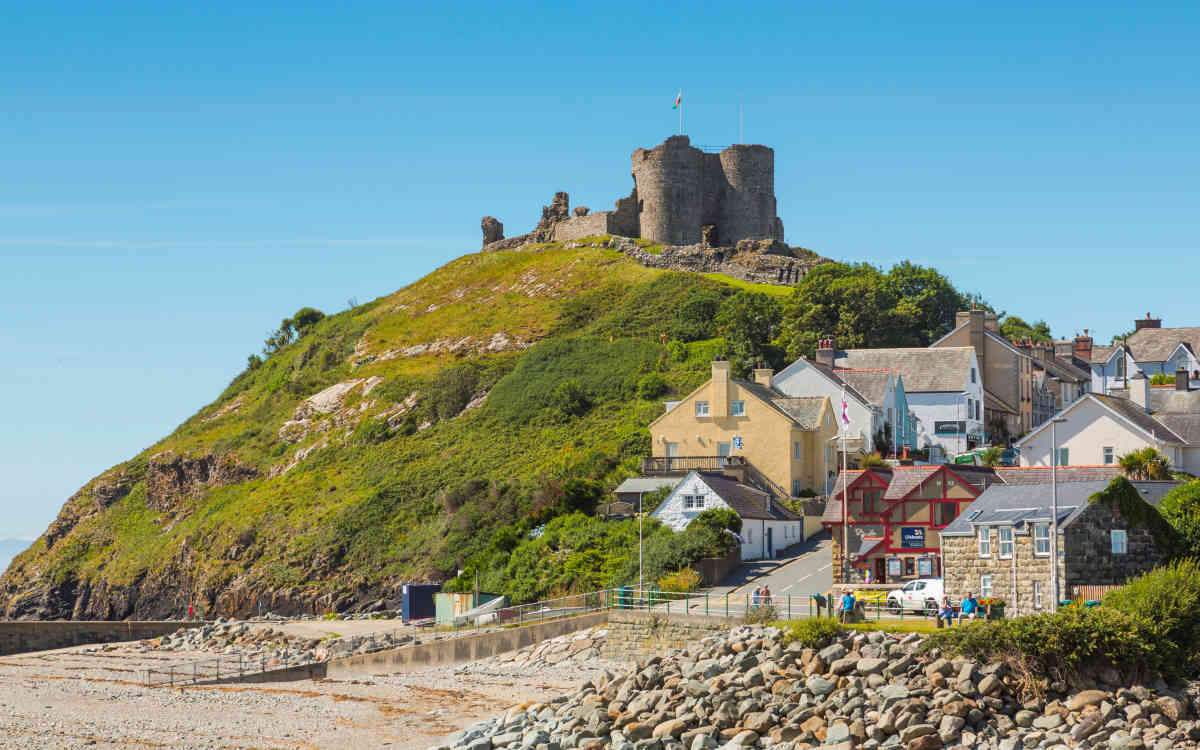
(582, 496)
(1168, 598)
(812, 633)
(1181, 509)
(651, 386)
(719, 519)
(568, 399)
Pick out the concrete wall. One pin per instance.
(20, 636)
(458, 650)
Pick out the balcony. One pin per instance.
(684, 464)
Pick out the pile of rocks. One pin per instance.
(747, 688)
(582, 646)
(235, 637)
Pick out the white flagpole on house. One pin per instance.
(842, 424)
(681, 111)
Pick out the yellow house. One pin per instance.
(781, 441)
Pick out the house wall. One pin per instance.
(1089, 557)
(1104, 376)
(1012, 579)
(802, 379)
(1088, 429)
(930, 408)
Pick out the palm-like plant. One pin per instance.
(1146, 463)
(991, 456)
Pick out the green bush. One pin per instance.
(372, 431)
(681, 581)
(651, 386)
(1168, 599)
(568, 399)
(718, 519)
(452, 389)
(761, 615)
(812, 633)
(1181, 509)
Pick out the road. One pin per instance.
(807, 569)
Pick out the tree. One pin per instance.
(568, 399)
(696, 316)
(1146, 463)
(1016, 329)
(748, 321)
(992, 456)
(291, 329)
(582, 495)
(1181, 508)
(305, 318)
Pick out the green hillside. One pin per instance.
(453, 408)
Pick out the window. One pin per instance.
(797, 487)
(796, 451)
(737, 408)
(724, 449)
(749, 536)
(910, 567)
(985, 587)
(1108, 455)
(1121, 366)
(970, 407)
(1041, 539)
(1063, 457)
(946, 512)
(1120, 541)
(672, 450)
(972, 374)
(701, 408)
(985, 542)
(977, 415)
(1006, 542)
(1037, 595)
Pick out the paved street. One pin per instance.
(807, 569)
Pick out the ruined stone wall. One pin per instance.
(748, 202)
(578, 227)
(637, 634)
(670, 183)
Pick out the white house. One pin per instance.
(1100, 428)
(767, 526)
(943, 389)
(1150, 350)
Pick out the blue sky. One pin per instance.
(177, 179)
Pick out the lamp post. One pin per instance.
(1054, 511)
(641, 580)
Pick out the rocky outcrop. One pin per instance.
(493, 230)
(864, 691)
(171, 477)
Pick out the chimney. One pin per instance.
(1181, 380)
(1146, 322)
(1139, 390)
(978, 323)
(826, 352)
(718, 397)
(763, 375)
(1083, 346)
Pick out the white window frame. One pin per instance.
(726, 446)
(737, 408)
(701, 408)
(672, 450)
(1039, 595)
(1108, 455)
(985, 585)
(1062, 457)
(1039, 538)
(1121, 548)
(796, 450)
(1005, 545)
(984, 537)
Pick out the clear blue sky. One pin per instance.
(176, 180)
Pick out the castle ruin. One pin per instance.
(681, 196)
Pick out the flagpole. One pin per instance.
(681, 111)
(845, 495)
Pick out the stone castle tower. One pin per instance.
(682, 190)
(681, 196)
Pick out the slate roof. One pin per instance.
(635, 485)
(746, 501)
(870, 383)
(1061, 369)
(1012, 504)
(995, 403)
(1139, 417)
(901, 480)
(940, 370)
(905, 479)
(1156, 344)
(1019, 475)
(835, 376)
(833, 508)
(1167, 400)
(1186, 426)
(1100, 354)
(804, 411)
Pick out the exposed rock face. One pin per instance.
(493, 230)
(172, 477)
(581, 211)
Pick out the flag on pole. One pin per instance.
(845, 408)
(678, 100)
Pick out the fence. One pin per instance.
(1090, 593)
(222, 667)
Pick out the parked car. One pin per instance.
(1010, 457)
(921, 595)
(969, 459)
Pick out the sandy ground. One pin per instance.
(68, 699)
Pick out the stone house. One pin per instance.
(895, 516)
(778, 443)
(767, 526)
(1000, 547)
(1005, 370)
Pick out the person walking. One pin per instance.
(766, 595)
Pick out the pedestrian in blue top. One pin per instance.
(946, 612)
(847, 605)
(969, 607)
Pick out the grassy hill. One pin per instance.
(385, 443)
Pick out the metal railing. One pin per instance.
(682, 464)
(222, 667)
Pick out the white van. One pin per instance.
(921, 595)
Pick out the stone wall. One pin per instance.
(636, 634)
(1089, 557)
(20, 636)
(1012, 579)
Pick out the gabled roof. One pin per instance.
(1124, 409)
(1157, 344)
(1021, 475)
(872, 384)
(746, 501)
(833, 377)
(1101, 354)
(804, 411)
(1186, 426)
(900, 482)
(833, 508)
(905, 479)
(941, 370)
(646, 484)
(1167, 400)
(1061, 369)
(995, 403)
(1011, 505)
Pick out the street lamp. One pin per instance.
(1054, 511)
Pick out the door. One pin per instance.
(770, 545)
(880, 570)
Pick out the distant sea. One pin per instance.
(10, 548)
